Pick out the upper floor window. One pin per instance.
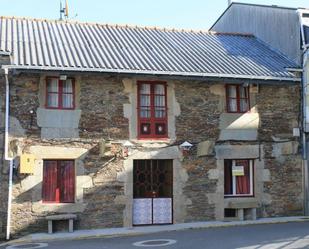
(237, 98)
(60, 93)
(152, 110)
(238, 177)
(58, 181)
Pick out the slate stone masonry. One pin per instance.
(101, 100)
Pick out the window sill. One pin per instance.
(58, 108)
(249, 111)
(57, 203)
(58, 118)
(241, 202)
(238, 196)
(40, 207)
(153, 139)
(162, 141)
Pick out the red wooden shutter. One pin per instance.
(67, 186)
(49, 181)
(228, 181)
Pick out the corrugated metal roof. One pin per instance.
(60, 45)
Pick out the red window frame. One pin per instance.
(60, 94)
(238, 98)
(234, 185)
(153, 122)
(58, 185)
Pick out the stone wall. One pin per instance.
(95, 207)
(104, 176)
(279, 183)
(200, 112)
(279, 108)
(199, 185)
(102, 113)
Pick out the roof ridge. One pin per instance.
(232, 33)
(267, 6)
(126, 26)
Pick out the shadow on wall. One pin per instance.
(95, 206)
(103, 205)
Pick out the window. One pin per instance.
(237, 98)
(152, 110)
(238, 177)
(58, 181)
(60, 93)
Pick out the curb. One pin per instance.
(106, 233)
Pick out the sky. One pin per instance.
(179, 14)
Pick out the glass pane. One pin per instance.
(67, 86)
(52, 85)
(242, 92)
(160, 113)
(159, 89)
(244, 105)
(145, 88)
(67, 100)
(52, 100)
(232, 91)
(159, 100)
(145, 100)
(145, 112)
(232, 105)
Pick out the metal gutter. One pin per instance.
(157, 73)
(5, 53)
(296, 69)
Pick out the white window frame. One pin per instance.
(234, 180)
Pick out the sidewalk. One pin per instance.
(114, 232)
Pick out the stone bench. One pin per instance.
(69, 217)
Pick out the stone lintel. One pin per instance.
(237, 151)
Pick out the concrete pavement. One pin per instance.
(115, 232)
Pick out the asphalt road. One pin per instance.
(283, 236)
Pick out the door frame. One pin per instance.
(152, 198)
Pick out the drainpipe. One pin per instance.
(305, 133)
(6, 151)
(304, 141)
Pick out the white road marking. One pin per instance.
(155, 243)
(27, 246)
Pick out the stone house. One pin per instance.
(94, 118)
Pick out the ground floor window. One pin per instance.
(238, 178)
(58, 181)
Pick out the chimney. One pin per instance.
(229, 2)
